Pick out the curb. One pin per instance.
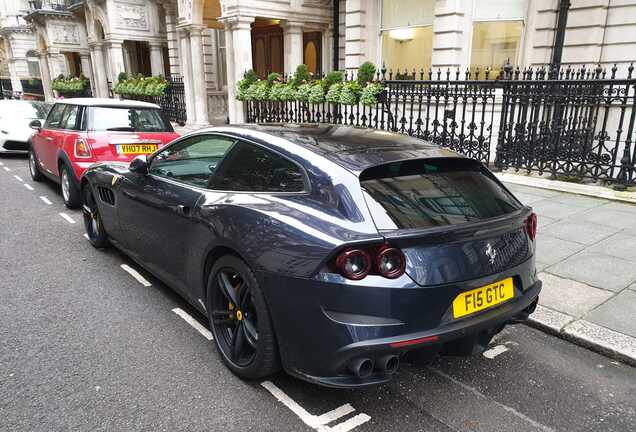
(610, 343)
(574, 188)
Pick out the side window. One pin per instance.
(192, 160)
(69, 118)
(55, 117)
(251, 168)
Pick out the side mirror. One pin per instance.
(139, 165)
(35, 124)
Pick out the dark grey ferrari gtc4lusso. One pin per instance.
(330, 251)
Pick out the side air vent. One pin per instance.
(106, 195)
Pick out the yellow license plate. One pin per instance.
(482, 298)
(136, 148)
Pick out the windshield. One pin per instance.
(423, 193)
(24, 109)
(128, 119)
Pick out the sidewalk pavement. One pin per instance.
(586, 258)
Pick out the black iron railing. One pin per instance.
(577, 122)
(172, 102)
(56, 5)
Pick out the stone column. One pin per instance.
(171, 35)
(16, 84)
(116, 54)
(198, 76)
(87, 70)
(293, 42)
(99, 69)
(186, 69)
(451, 34)
(156, 59)
(45, 71)
(238, 40)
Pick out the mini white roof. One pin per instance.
(107, 102)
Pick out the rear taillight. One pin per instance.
(531, 226)
(390, 262)
(354, 263)
(357, 263)
(82, 150)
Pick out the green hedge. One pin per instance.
(140, 85)
(303, 88)
(69, 84)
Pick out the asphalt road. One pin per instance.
(85, 346)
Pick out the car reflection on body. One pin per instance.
(331, 252)
(15, 116)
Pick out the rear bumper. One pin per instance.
(322, 327)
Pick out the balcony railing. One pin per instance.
(55, 5)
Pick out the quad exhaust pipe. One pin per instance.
(388, 364)
(363, 367)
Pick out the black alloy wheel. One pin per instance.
(92, 220)
(240, 321)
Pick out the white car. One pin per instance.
(15, 116)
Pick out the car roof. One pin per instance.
(107, 102)
(353, 148)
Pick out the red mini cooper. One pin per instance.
(79, 132)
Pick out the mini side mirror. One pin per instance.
(35, 124)
(139, 165)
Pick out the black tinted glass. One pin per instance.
(251, 168)
(69, 118)
(55, 117)
(192, 160)
(128, 119)
(426, 193)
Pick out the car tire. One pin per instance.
(92, 219)
(250, 322)
(70, 192)
(34, 168)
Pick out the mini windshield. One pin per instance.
(423, 193)
(128, 119)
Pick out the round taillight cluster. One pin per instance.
(357, 263)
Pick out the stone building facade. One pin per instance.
(211, 43)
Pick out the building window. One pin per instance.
(407, 35)
(222, 58)
(497, 32)
(33, 64)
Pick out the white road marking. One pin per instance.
(134, 273)
(18, 178)
(67, 218)
(479, 394)
(194, 323)
(86, 236)
(318, 423)
(1, 163)
(46, 200)
(28, 186)
(494, 351)
(7, 169)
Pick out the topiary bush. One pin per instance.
(333, 77)
(301, 75)
(350, 93)
(243, 85)
(333, 95)
(369, 96)
(366, 73)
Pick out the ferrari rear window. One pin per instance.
(423, 193)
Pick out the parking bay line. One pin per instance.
(495, 351)
(67, 218)
(28, 186)
(46, 200)
(7, 169)
(18, 178)
(318, 423)
(134, 273)
(194, 323)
